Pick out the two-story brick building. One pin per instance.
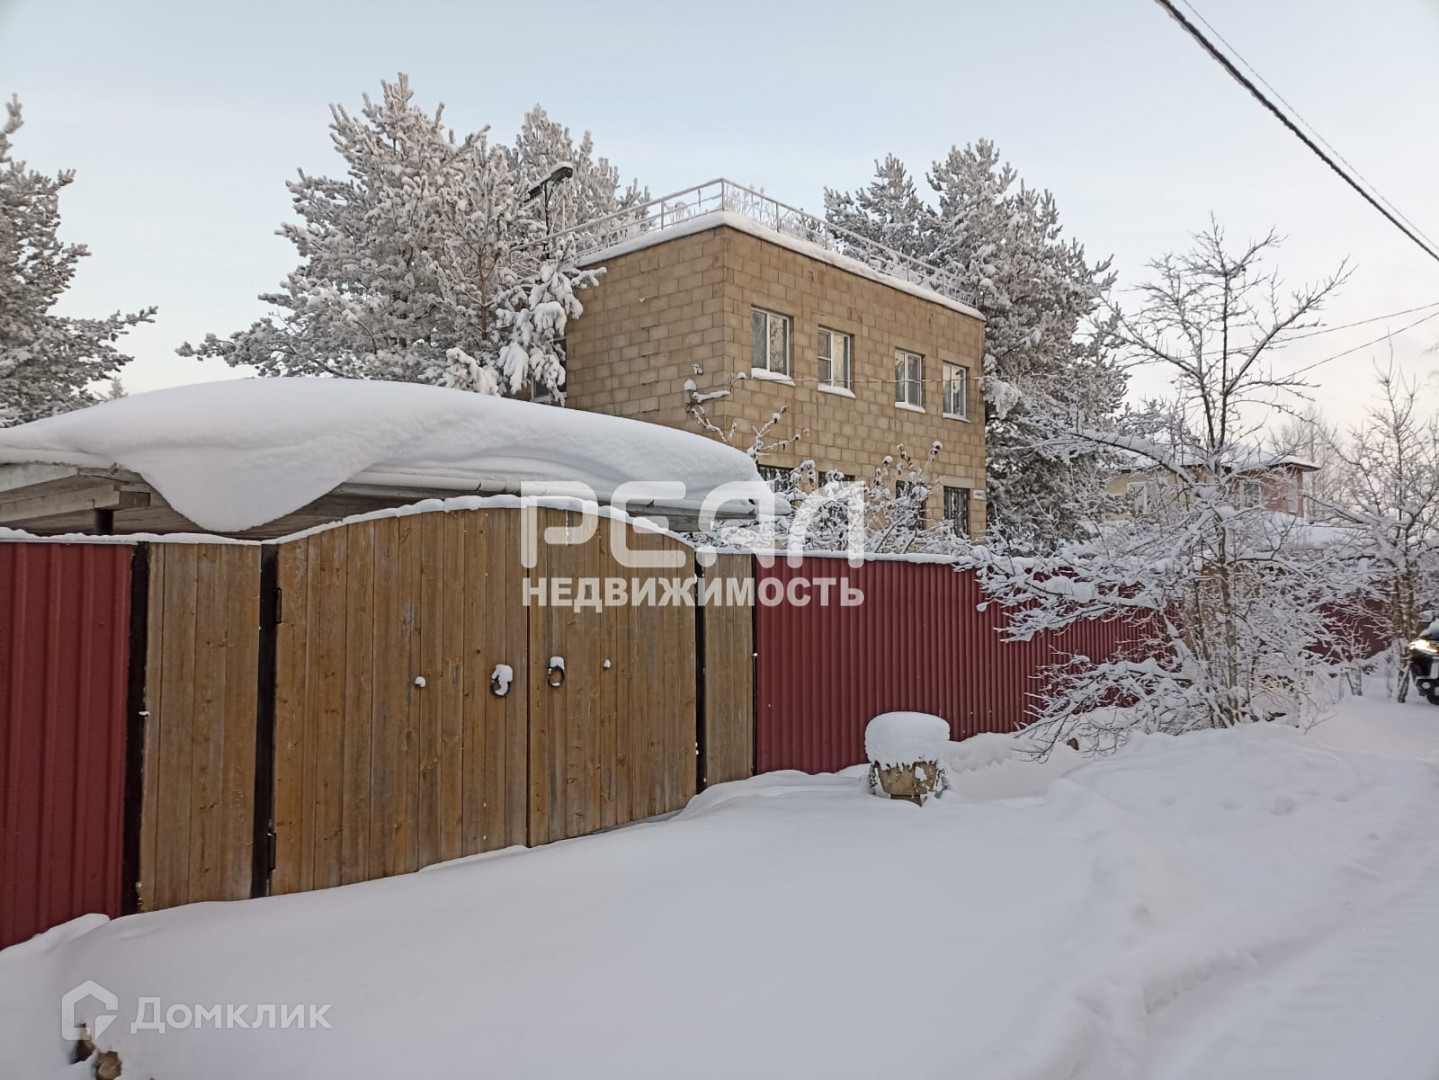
(722, 300)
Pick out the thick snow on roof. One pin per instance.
(233, 455)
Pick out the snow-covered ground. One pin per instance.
(1255, 903)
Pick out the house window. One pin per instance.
(1144, 494)
(908, 379)
(771, 341)
(1251, 493)
(775, 476)
(835, 351)
(956, 509)
(956, 392)
(914, 498)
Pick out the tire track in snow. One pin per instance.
(1360, 1000)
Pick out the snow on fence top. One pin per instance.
(660, 218)
(233, 455)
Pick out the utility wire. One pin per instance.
(1361, 322)
(1258, 94)
(1316, 132)
(1367, 344)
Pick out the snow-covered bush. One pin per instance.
(48, 363)
(885, 514)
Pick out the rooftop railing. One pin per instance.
(725, 196)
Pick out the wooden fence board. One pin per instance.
(453, 673)
(328, 678)
(390, 652)
(197, 800)
(358, 719)
(729, 676)
(291, 668)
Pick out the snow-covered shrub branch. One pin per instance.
(887, 513)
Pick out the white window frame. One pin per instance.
(769, 367)
(909, 384)
(956, 375)
(827, 339)
(1144, 494)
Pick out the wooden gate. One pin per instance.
(419, 716)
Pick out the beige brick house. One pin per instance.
(728, 301)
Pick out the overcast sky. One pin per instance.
(183, 120)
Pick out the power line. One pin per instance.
(1362, 322)
(1316, 132)
(1258, 94)
(1367, 344)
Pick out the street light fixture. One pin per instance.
(562, 172)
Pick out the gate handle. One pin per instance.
(555, 673)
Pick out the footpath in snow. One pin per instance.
(1254, 903)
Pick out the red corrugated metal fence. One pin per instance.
(64, 647)
(918, 641)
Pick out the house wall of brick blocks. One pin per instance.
(680, 309)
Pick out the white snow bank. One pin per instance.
(902, 738)
(992, 766)
(1247, 903)
(232, 455)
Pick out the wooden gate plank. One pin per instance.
(406, 667)
(329, 672)
(176, 673)
(729, 677)
(291, 671)
(242, 661)
(206, 721)
(427, 701)
(390, 665)
(504, 573)
(451, 685)
(155, 705)
(359, 601)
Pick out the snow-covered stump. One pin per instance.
(904, 752)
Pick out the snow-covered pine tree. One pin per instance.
(48, 363)
(1226, 600)
(593, 192)
(427, 263)
(1047, 364)
(889, 211)
(534, 312)
(401, 259)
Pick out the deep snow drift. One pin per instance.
(1254, 903)
(235, 454)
